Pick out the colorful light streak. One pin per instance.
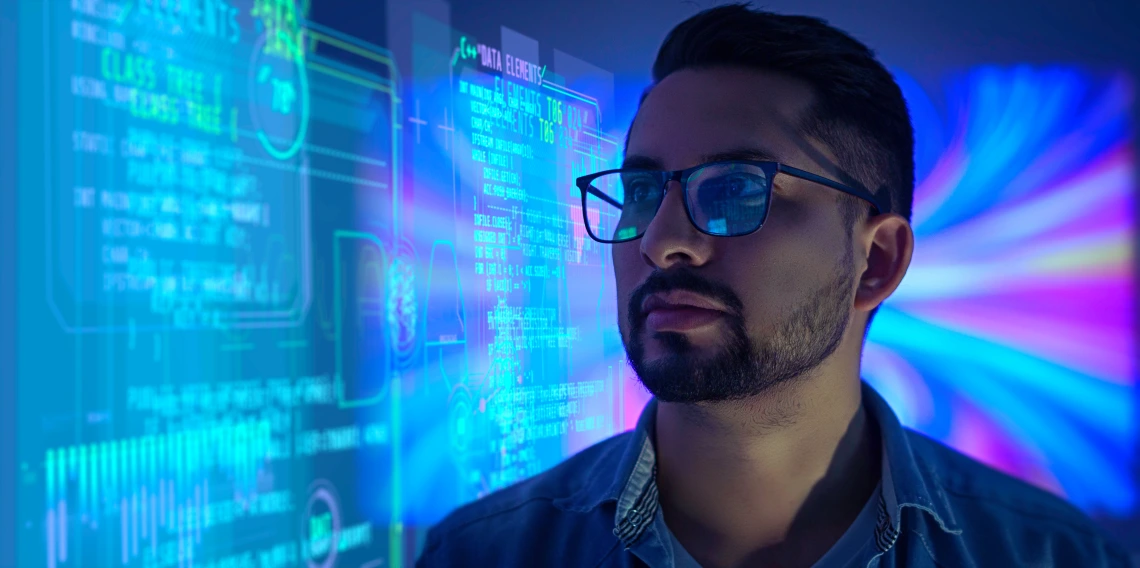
(1011, 337)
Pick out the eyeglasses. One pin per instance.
(722, 199)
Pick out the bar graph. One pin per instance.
(154, 490)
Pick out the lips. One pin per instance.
(680, 311)
(678, 300)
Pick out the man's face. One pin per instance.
(780, 298)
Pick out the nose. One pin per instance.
(671, 239)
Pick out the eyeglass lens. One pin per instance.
(722, 199)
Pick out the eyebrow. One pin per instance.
(748, 154)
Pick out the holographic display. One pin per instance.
(288, 295)
(297, 303)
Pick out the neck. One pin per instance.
(774, 479)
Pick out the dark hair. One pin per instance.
(859, 111)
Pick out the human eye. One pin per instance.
(740, 184)
(640, 187)
(734, 185)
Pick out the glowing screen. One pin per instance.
(303, 296)
(287, 296)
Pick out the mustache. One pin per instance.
(681, 279)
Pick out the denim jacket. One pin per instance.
(937, 507)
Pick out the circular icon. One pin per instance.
(287, 94)
(320, 525)
(460, 420)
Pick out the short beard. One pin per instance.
(743, 369)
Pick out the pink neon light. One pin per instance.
(978, 436)
(1030, 322)
(580, 234)
(636, 396)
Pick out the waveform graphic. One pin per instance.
(155, 489)
(1011, 336)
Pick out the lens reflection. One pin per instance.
(725, 199)
(728, 199)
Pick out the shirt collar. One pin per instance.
(907, 481)
(605, 482)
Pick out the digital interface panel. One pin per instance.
(288, 296)
(302, 304)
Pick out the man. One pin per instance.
(759, 219)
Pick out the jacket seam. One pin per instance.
(926, 547)
(937, 517)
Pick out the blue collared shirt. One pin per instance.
(934, 507)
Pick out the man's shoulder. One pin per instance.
(963, 478)
(982, 499)
(553, 518)
(563, 486)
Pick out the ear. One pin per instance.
(886, 242)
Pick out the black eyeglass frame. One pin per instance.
(682, 176)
